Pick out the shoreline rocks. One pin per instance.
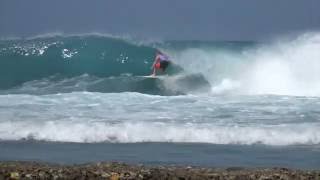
(118, 171)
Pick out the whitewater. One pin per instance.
(87, 89)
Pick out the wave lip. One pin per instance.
(303, 134)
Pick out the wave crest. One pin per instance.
(145, 132)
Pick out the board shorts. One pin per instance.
(162, 65)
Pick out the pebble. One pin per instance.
(119, 171)
(14, 175)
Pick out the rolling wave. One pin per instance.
(285, 67)
(33, 59)
(57, 64)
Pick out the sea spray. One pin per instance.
(287, 67)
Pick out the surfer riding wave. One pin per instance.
(161, 61)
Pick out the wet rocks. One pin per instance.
(120, 171)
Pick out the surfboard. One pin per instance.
(152, 77)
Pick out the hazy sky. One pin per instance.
(164, 19)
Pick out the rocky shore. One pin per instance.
(114, 171)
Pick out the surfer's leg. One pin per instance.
(154, 72)
(155, 67)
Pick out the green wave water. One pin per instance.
(25, 60)
(86, 63)
(101, 63)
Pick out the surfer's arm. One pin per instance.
(156, 59)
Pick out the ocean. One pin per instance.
(81, 98)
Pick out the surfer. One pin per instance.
(161, 61)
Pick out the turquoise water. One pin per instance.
(99, 64)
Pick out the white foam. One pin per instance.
(291, 68)
(286, 67)
(134, 117)
(66, 53)
(159, 132)
(225, 86)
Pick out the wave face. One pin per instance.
(26, 60)
(83, 63)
